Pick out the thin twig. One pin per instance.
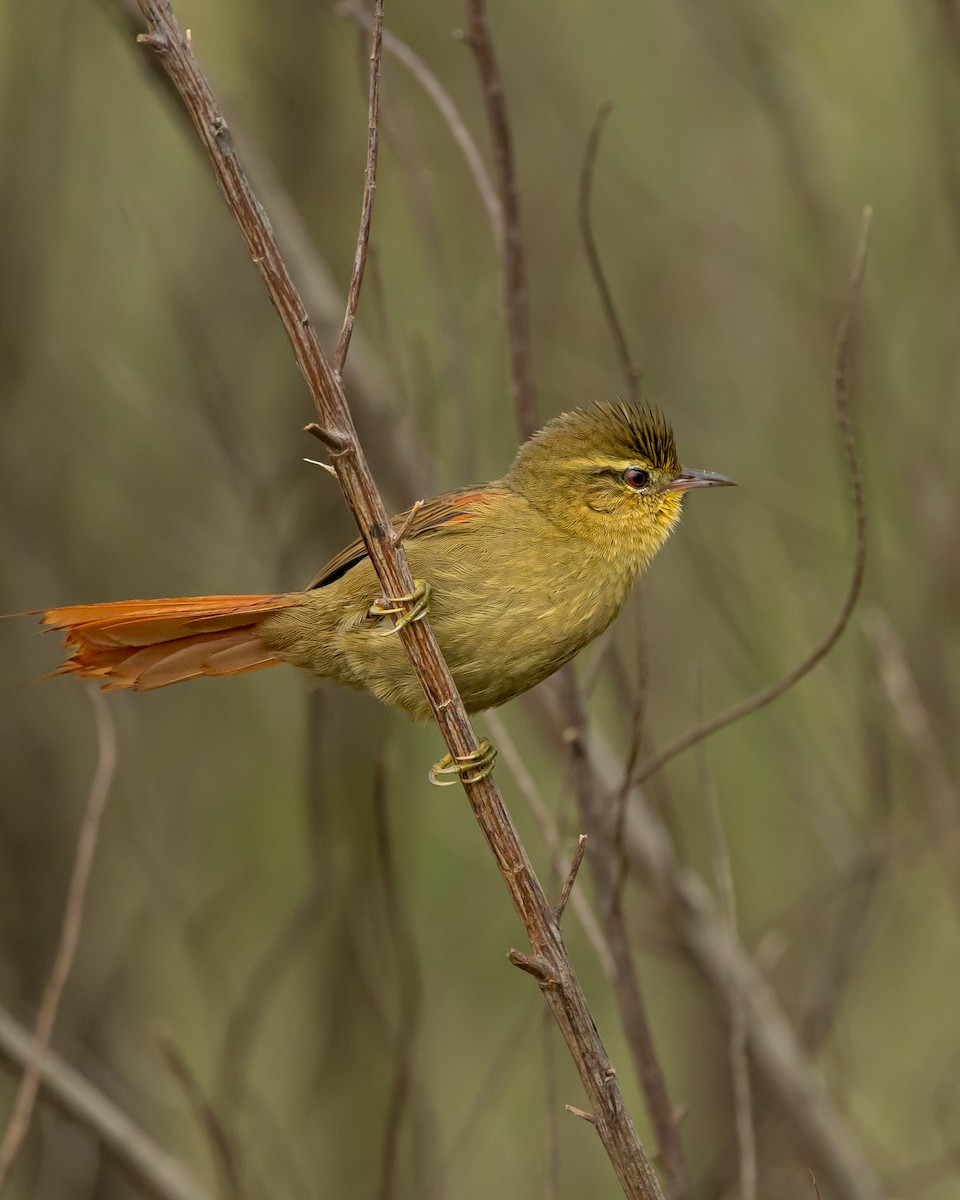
(401, 533)
(571, 878)
(630, 372)
(776, 1053)
(443, 101)
(564, 995)
(515, 304)
(626, 982)
(369, 192)
(224, 1151)
(149, 1167)
(316, 279)
(514, 762)
(845, 426)
(739, 1063)
(26, 1096)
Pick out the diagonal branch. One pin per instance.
(369, 192)
(561, 986)
(515, 304)
(354, 10)
(148, 1166)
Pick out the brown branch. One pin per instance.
(627, 365)
(26, 1096)
(739, 1063)
(515, 304)
(776, 1053)
(845, 426)
(566, 999)
(571, 878)
(148, 1167)
(369, 192)
(447, 109)
(513, 760)
(633, 1013)
(316, 280)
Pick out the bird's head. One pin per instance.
(608, 474)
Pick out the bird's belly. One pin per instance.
(506, 643)
(499, 641)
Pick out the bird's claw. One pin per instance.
(465, 768)
(418, 599)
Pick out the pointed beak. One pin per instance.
(690, 478)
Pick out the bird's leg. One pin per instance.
(418, 599)
(467, 768)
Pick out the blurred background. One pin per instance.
(291, 973)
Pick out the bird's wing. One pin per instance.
(432, 517)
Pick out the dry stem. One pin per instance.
(515, 304)
(26, 1096)
(564, 993)
(841, 394)
(369, 192)
(627, 365)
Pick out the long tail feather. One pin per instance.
(146, 644)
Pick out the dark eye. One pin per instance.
(636, 477)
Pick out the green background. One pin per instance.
(276, 886)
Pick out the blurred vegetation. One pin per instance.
(151, 444)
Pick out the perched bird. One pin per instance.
(519, 575)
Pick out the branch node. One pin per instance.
(579, 1112)
(534, 965)
(397, 536)
(156, 41)
(338, 443)
(571, 878)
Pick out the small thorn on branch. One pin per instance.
(315, 462)
(571, 878)
(581, 1113)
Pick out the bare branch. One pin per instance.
(551, 835)
(443, 101)
(515, 305)
(845, 426)
(566, 998)
(369, 192)
(571, 878)
(776, 1053)
(626, 981)
(627, 365)
(26, 1096)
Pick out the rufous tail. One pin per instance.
(145, 644)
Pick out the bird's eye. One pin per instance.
(636, 477)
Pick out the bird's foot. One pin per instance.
(418, 599)
(467, 768)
